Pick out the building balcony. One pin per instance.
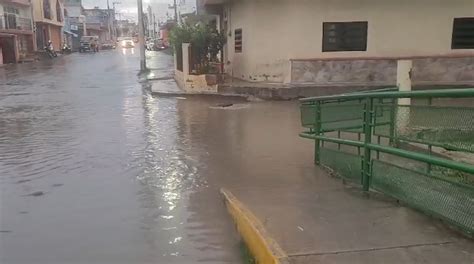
(15, 23)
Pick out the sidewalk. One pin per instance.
(160, 76)
(329, 222)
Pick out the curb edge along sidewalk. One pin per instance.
(263, 248)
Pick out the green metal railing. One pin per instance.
(402, 144)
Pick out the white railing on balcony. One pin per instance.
(19, 2)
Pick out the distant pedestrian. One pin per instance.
(96, 44)
(50, 45)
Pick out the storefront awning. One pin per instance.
(70, 33)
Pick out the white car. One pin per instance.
(127, 44)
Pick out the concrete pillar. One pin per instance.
(33, 42)
(220, 55)
(16, 48)
(48, 34)
(175, 61)
(185, 48)
(404, 69)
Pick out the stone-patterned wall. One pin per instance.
(434, 71)
(382, 72)
(179, 78)
(205, 83)
(200, 84)
(443, 71)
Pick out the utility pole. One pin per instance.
(175, 11)
(154, 26)
(109, 20)
(141, 36)
(115, 19)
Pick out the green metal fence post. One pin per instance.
(393, 115)
(430, 147)
(317, 132)
(368, 115)
(443, 190)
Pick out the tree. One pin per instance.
(206, 43)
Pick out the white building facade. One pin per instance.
(339, 41)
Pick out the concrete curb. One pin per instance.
(263, 248)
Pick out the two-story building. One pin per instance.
(99, 22)
(16, 31)
(49, 20)
(341, 42)
(76, 20)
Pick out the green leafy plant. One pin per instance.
(206, 43)
(179, 35)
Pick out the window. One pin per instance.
(10, 21)
(11, 10)
(10, 16)
(463, 33)
(46, 9)
(345, 36)
(238, 40)
(59, 15)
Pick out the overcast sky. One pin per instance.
(128, 8)
(124, 3)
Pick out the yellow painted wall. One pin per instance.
(38, 12)
(275, 31)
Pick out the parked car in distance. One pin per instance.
(127, 43)
(149, 44)
(107, 46)
(160, 44)
(89, 43)
(155, 45)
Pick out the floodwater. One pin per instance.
(94, 169)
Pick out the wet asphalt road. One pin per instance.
(93, 169)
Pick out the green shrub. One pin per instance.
(206, 43)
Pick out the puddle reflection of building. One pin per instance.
(160, 172)
(210, 135)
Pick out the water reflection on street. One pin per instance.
(96, 170)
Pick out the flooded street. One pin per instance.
(94, 169)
